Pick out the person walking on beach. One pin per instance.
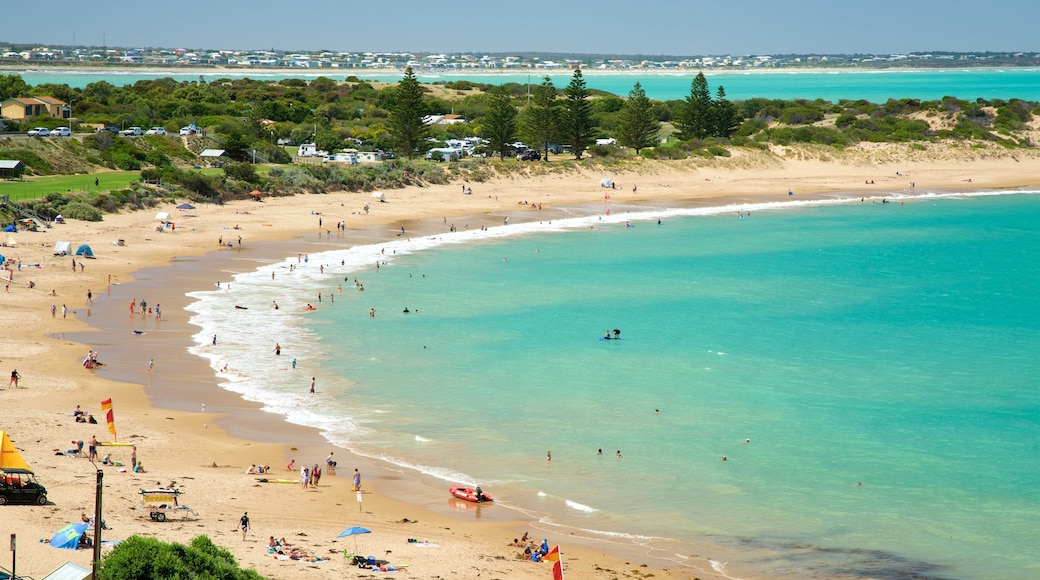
(305, 476)
(330, 464)
(54, 310)
(14, 379)
(357, 480)
(243, 523)
(90, 297)
(64, 311)
(92, 448)
(151, 364)
(133, 457)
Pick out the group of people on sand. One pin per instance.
(290, 551)
(82, 416)
(255, 469)
(145, 309)
(91, 360)
(532, 551)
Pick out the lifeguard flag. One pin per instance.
(557, 570)
(106, 406)
(553, 555)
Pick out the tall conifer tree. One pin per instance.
(406, 118)
(726, 117)
(637, 127)
(577, 118)
(499, 126)
(541, 117)
(694, 119)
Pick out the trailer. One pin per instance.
(158, 502)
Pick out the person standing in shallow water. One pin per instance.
(312, 384)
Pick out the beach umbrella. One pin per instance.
(68, 537)
(353, 531)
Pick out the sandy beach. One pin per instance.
(191, 433)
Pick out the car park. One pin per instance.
(39, 132)
(20, 486)
(132, 132)
(61, 132)
(156, 131)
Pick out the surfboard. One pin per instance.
(116, 444)
(265, 480)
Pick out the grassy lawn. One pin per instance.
(35, 187)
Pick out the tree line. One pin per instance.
(247, 115)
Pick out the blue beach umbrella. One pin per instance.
(353, 531)
(68, 537)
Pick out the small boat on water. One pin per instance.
(470, 494)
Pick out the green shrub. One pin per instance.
(241, 171)
(78, 210)
(717, 151)
(124, 161)
(140, 558)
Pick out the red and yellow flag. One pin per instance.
(106, 406)
(557, 570)
(553, 555)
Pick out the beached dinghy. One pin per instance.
(469, 494)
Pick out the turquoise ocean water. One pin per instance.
(832, 85)
(889, 345)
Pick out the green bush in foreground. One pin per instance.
(138, 558)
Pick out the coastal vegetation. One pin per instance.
(140, 558)
(259, 123)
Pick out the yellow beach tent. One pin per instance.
(9, 456)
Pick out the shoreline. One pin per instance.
(491, 73)
(225, 443)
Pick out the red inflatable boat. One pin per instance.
(469, 494)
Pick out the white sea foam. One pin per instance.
(421, 439)
(580, 507)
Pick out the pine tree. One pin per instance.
(726, 117)
(694, 118)
(499, 126)
(637, 126)
(406, 118)
(541, 117)
(577, 117)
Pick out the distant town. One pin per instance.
(87, 56)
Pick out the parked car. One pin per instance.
(529, 155)
(20, 486)
(156, 131)
(190, 130)
(61, 132)
(132, 132)
(39, 132)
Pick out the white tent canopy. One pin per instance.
(62, 248)
(162, 216)
(606, 183)
(379, 195)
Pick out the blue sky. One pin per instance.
(651, 27)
